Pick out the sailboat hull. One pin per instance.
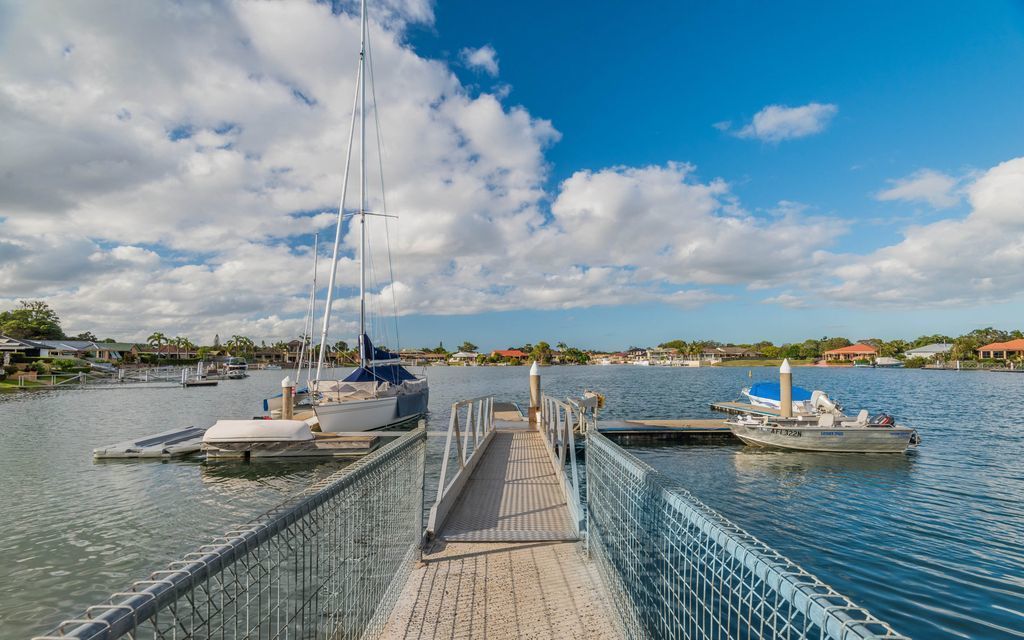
(370, 414)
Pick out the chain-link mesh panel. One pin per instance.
(677, 569)
(328, 563)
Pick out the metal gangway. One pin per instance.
(539, 530)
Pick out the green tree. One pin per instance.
(86, 335)
(541, 352)
(157, 340)
(681, 345)
(33, 320)
(468, 347)
(893, 348)
(237, 344)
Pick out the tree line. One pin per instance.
(963, 347)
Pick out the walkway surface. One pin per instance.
(504, 590)
(506, 563)
(512, 496)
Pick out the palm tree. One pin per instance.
(157, 339)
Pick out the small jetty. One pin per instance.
(167, 444)
(690, 429)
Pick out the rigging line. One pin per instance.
(337, 230)
(383, 192)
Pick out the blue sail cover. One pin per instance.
(367, 371)
(770, 391)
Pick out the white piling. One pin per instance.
(534, 391)
(785, 390)
(287, 402)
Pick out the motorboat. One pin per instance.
(379, 392)
(237, 368)
(826, 432)
(272, 367)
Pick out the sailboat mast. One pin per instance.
(363, 356)
(307, 329)
(337, 229)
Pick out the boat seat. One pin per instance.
(826, 420)
(861, 421)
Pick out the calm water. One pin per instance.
(932, 542)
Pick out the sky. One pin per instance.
(604, 175)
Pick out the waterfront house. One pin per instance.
(729, 353)
(15, 345)
(514, 355)
(463, 358)
(1011, 350)
(168, 351)
(851, 353)
(929, 351)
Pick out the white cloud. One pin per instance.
(978, 258)
(485, 58)
(926, 185)
(776, 123)
(126, 228)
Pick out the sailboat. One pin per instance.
(380, 392)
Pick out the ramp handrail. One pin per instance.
(558, 422)
(327, 563)
(478, 423)
(678, 569)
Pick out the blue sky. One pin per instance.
(611, 175)
(918, 85)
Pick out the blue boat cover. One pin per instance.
(770, 391)
(368, 372)
(393, 373)
(366, 347)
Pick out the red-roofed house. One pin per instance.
(511, 354)
(852, 352)
(1002, 350)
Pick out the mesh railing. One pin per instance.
(677, 569)
(328, 563)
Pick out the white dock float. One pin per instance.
(168, 444)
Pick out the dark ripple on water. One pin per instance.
(932, 541)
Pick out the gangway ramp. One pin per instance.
(505, 559)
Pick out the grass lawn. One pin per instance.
(762, 363)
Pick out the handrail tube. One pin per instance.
(215, 558)
(479, 424)
(819, 603)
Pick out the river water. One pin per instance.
(932, 541)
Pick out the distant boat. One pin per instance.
(272, 367)
(888, 363)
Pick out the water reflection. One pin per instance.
(753, 460)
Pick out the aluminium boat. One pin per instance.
(828, 432)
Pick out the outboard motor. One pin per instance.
(823, 403)
(882, 420)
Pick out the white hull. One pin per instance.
(372, 413)
(357, 415)
(832, 439)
